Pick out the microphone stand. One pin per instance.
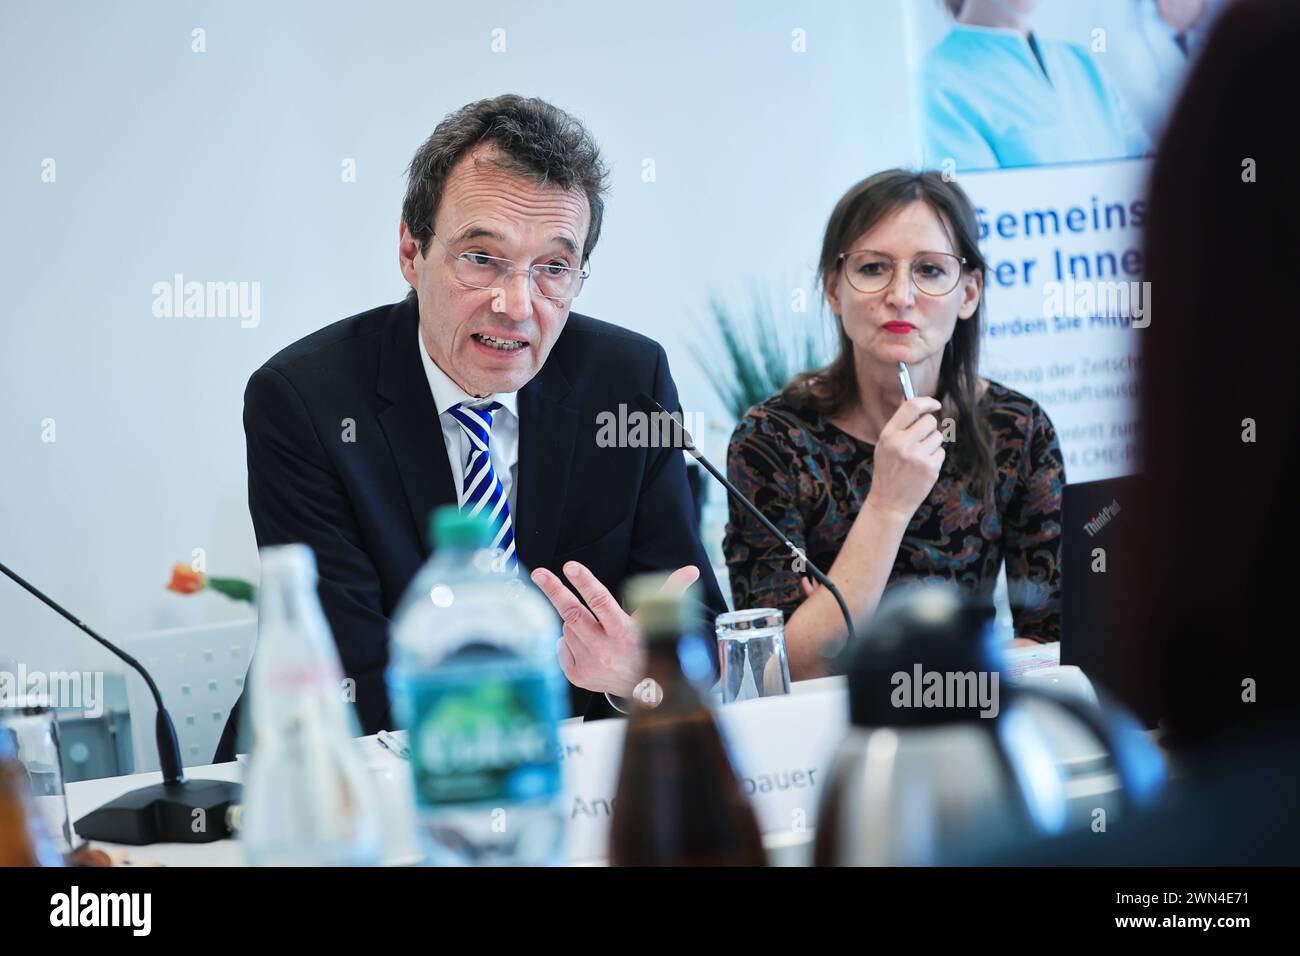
(174, 811)
(652, 407)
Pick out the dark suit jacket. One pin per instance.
(363, 505)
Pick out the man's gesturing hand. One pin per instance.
(600, 648)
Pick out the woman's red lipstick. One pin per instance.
(898, 328)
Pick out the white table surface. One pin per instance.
(784, 848)
(86, 795)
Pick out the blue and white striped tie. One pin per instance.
(482, 490)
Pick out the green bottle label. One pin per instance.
(483, 733)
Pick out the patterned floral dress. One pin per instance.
(810, 479)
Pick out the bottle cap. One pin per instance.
(449, 527)
(664, 614)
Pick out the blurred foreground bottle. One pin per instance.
(24, 840)
(308, 800)
(474, 677)
(679, 802)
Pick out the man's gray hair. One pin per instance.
(534, 140)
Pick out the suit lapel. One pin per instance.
(547, 432)
(411, 422)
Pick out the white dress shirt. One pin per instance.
(505, 428)
(504, 445)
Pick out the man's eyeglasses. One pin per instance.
(933, 273)
(554, 280)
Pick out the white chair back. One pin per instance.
(200, 673)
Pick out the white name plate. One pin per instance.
(781, 748)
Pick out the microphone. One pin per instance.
(163, 812)
(652, 407)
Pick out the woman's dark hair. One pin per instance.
(832, 389)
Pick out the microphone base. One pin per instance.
(164, 813)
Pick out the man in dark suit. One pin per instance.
(480, 389)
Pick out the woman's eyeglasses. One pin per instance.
(933, 273)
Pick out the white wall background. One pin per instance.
(225, 165)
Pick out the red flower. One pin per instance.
(185, 580)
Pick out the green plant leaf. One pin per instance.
(755, 353)
(236, 589)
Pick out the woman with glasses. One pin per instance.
(875, 489)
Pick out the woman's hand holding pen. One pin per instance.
(907, 459)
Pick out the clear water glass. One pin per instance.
(751, 654)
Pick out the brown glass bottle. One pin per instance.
(24, 840)
(679, 802)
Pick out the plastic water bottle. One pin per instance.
(308, 797)
(474, 676)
